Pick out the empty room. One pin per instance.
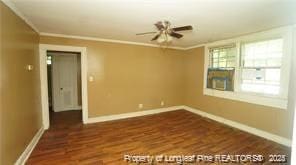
(148, 82)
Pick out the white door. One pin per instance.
(64, 81)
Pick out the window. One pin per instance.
(261, 66)
(253, 68)
(222, 67)
(223, 57)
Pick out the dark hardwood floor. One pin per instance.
(68, 141)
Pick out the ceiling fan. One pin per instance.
(165, 32)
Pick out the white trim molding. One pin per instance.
(43, 48)
(243, 127)
(11, 5)
(195, 46)
(27, 152)
(75, 108)
(248, 97)
(132, 114)
(107, 40)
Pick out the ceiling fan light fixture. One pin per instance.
(161, 38)
(165, 33)
(169, 38)
(164, 37)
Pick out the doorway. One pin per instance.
(64, 87)
(63, 81)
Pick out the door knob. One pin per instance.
(61, 88)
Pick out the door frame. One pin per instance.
(43, 48)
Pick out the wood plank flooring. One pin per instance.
(68, 141)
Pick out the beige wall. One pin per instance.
(273, 120)
(126, 75)
(20, 103)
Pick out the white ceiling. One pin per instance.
(122, 19)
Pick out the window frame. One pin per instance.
(229, 46)
(278, 101)
(282, 68)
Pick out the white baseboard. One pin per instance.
(25, 155)
(252, 130)
(132, 114)
(75, 108)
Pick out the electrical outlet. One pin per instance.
(162, 103)
(140, 106)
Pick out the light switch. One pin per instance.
(29, 67)
(90, 78)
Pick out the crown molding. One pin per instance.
(195, 46)
(154, 45)
(11, 5)
(106, 40)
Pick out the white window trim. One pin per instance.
(279, 101)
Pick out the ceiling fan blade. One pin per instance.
(155, 37)
(189, 27)
(159, 25)
(146, 33)
(177, 35)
